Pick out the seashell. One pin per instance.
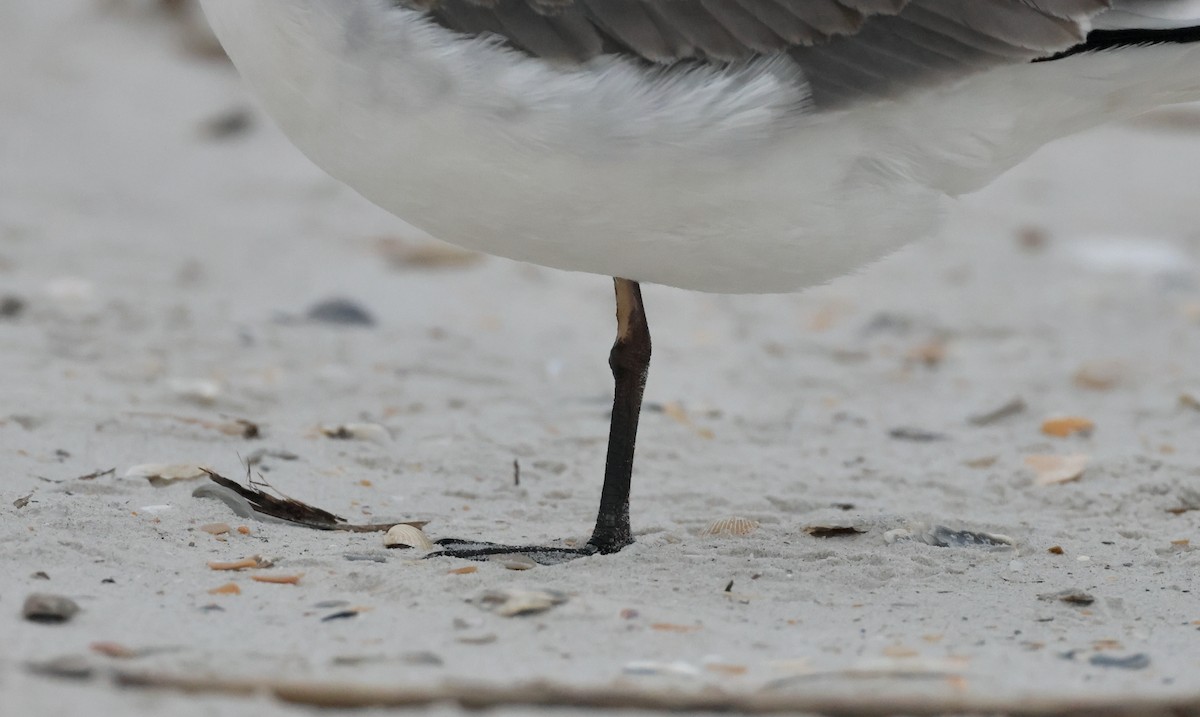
(406, 536)
(201, 391)
(941, 536)
(735, 526)
(1066, 426)
(515, 561)
(1053, 469)
(162, 474)
(512, 602)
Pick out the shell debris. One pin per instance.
(735, 526)
(200, 391)
(1053, 469)
(514, 602)
(164, 474)
(405, 536)
(1067, 426)
(941, 536)
(515, 561)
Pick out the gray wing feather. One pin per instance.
(630, 25)
(750, 30)
(848, 49)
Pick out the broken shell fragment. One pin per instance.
(278, 579)
(1050, 469)
(513, 602)
(200, 391)
(941, 536)
(252, 562)
(1015, 405)
(1100, 375)
(736, 526)
(406, 536)
(515, 561)
(164, 474)
(1066, 426)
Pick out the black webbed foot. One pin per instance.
(478, 550)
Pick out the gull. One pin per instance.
(738, 146)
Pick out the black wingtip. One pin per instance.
(1098, 40)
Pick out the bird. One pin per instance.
(732, 146)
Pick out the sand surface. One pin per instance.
(159, 270)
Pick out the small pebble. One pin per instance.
(342, 615)
(1011, 408)
(1071, 597)
(48, 608)
(423, 658)
(371, 432)
(916, 435)
(341, 312)
(1137, 661)
(484, 639)
(74, 667)
(11, 306)
(229, 123)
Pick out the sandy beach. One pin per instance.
(1029, 374)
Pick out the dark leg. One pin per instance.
(630, 362)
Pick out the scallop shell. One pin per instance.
(406, 536)
(736, 526)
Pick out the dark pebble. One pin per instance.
(48, 608)
(916, 435)
(342, 312)
(11, 306)
(1137, 661)
(343, 615)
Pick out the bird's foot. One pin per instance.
(542, 554)
(479, 550)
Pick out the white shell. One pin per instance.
(201, 391)
(735, 526)
(1053, 469)
(406, 536)
(160, 474)
(511, 602)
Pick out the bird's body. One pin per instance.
(716, 177)
(717, 145)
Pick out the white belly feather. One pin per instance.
(710, 180)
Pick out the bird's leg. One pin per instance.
(630, 363)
